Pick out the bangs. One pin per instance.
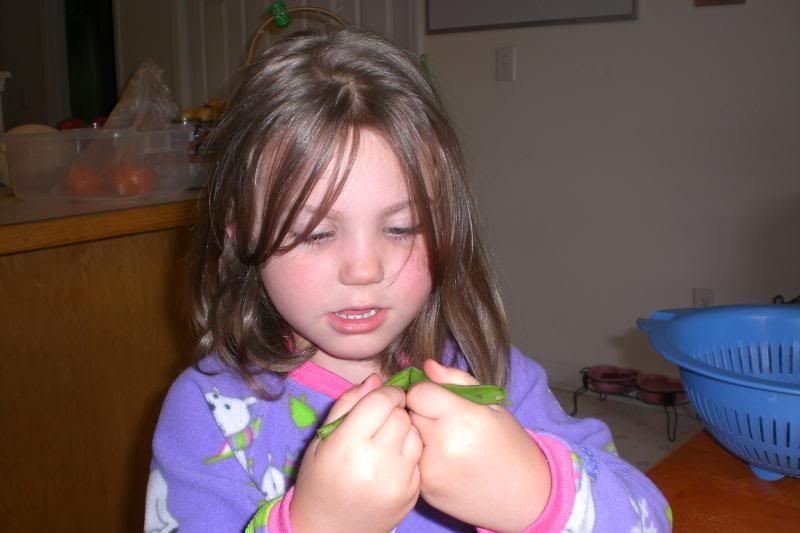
(288, 172)
(290, 168)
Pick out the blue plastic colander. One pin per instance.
(740, 367)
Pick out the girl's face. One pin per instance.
(362, 275)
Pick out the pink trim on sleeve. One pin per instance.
(559, 505)
(278, 520)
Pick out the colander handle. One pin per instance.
(647, 324)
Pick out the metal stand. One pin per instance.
(632, 391)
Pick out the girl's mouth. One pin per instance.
(356, 314)
(357, 321)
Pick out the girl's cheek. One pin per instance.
(419, 255)
(416, 269)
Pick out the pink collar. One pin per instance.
(315, 377)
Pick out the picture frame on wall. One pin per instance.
(469, 15)
(716, 2)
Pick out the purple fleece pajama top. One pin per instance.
(225, 460)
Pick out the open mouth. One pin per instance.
(358, 320)
(356, 314)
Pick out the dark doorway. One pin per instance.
(90, 57)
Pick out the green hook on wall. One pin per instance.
(282, 18)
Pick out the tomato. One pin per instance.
(71, 124)
(131, 180)
(83, 181)
(99, 121)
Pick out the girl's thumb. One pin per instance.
(373, 381)
(439, 373)
(351, 397)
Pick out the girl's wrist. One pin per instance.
(560, 499)
(538, 482)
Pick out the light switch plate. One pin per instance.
(506, 63)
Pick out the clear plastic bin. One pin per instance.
(99, 164)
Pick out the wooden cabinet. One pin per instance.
(94, 329)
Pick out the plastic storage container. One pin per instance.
(91, 164)
(740, 367)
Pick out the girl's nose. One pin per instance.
(361, 263)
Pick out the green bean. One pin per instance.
(327, 429)
(482, 394)
(408, 377)
(400, 379)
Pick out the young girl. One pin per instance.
(340, 245)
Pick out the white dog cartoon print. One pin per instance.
(157, 518)
(234, 419)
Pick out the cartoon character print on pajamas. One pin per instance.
(234, 419)
(303, 415)
(157, 518)
(273, 484)
(646, 524)
(611, 448)
(291, 464)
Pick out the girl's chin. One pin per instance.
(350, 355)
(354, 347)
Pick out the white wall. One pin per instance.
(630, 162)
(144, 29)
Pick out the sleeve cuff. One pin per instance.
(559, 505)
(272, 516)
(278, 521)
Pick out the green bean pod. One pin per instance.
(327, 429)
(408, 377)
(481, 394)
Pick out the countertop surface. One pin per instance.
(31, 224)
(710, 490)
(15, 210)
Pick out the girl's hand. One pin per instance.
(364, 477)
(478, 464)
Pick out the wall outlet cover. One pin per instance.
(702, 297)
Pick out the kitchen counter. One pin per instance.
(95, 326)
(41, 223)
(710, 490)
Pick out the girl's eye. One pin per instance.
(317, 238)
(403, 232)
(314, 239)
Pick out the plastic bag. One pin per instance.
(146, 103)
(118, 161)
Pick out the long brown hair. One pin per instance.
(297, 109)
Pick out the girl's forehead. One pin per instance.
(366, 175)
(376, 179)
